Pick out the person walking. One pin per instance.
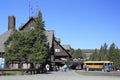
(47, 67)
(65, 67)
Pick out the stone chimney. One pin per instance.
(11, 23)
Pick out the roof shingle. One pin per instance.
(50, 35)
(3, 39)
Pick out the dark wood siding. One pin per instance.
(58, 50)
(29, 25)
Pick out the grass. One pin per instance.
(12, 73)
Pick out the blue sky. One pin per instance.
(84, 24)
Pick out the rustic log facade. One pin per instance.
(58, 54)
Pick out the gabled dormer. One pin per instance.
(30, 24)
(59, 51)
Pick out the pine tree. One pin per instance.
(114, 55)
(94, 56)
(17, 47)
(78, 54)
(29, 45)
(40, 47)
(103, 53)
(111, 52)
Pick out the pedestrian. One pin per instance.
(47, 67)
(56, 68)
(61, 68)
(87, 68)
(65, 67)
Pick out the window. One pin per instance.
(57, 50)
(31, 27)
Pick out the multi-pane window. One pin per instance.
(32, 27)
(57, 50)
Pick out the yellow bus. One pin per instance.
(98, 65)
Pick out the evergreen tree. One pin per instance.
(94, 56)
(78, 54)
(112, 51)
(40, 47)
(103, 53)
(17, 47)
(114, 55)
(29, 45)
(72, 51)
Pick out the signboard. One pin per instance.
(2, 63)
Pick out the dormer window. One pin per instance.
(57, 50)
(31, 27)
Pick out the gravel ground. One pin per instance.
(69, 75)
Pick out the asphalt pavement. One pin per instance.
(69, 75)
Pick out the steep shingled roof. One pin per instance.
(58, 39)
(63, 49)
(5, 36)
(66, 47)
(50, 36)
(48, 33)
(23, 26)
(3, 39)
